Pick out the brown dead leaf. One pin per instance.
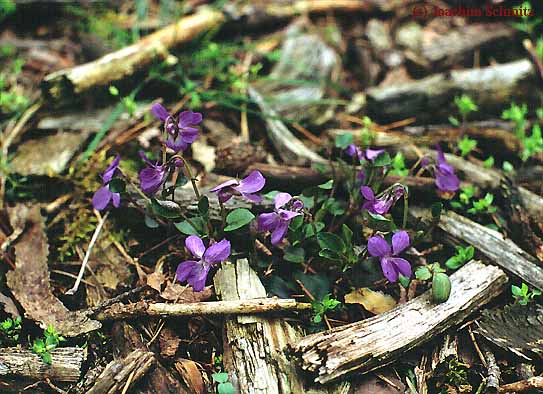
(169, 342)
(156, 280)
(373, 301)
(9, 306)
(181, 294)
(191, 375)
(29, 282)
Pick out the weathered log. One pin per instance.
(494, 373)
(236, 307)
(500, 251)
(372, 343)
(65, 366)
(253, 345)
(432, 97)
(524, 385)
(121, 374)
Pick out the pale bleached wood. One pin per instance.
(65, 367)
(501, 251)
(372, 343)
(253, 345)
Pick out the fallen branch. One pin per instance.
(120, 375)
(253, 306)
(372, 343)
(65, 366)
(501, 251)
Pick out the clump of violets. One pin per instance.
(369, 154)
(104, 195)
(380, 205)
(247, 188)
(286, 209)
(152, 176)
(445, 178)
(391, 265)
(179, 132)
(195, 272)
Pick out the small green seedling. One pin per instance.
(43, 347)
(466, 145)
(465, 106)
(462, 256)
(441, 284)
(9, 331)
(523, 295)
(223, 385)
(483, 205)
(320, 308)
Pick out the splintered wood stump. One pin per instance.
(372, 343)
(123, 373)
(500, 250)
(253, 346)
(65, 366)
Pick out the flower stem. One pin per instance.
(192, 179)
(223, 215)
(405, 209)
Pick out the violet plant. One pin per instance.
(315, 225)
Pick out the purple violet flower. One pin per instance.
(247, 187)
(180, 133)
(368, 154)
(380, 205)
(391, 266)
(277, 222)
(152, 176)
(446, 179)
(195, 272)
(103, 195)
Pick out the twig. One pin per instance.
(257, 305)
(493, 378)
(94, 238)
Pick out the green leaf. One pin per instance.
(225, 388)
(296, 222)
(347, 234)
(113, 90)
(507, 167)
(294, 254)
(270, 195)
(238, 218)
(489, 163)
(150, 222)
(329, 254)
(382, 160)
(454, 121)
(46, 357)
(186, 228)
(117, 185)
(404, 281)
(331, 241)
(327, 185)
(220, 377)
(309, 230)
(203, 205)
(515, 290)
(423, 273)
(344, 140)
(454, 263)
(466, 145)
(165, 208)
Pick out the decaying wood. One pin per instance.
(253, 352)
(499, 250)
(119, 375)
(29, 282)
(239, 307)
(372, 343)
(524, 385)
(448, 348)
(433, 96)
(65, 367)
(161, 380)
